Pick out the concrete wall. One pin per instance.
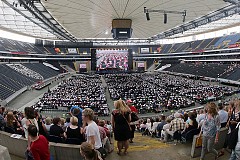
(59, 151)
(196, 152)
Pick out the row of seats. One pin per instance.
(214, 70)
(206, 44)
(12, 80)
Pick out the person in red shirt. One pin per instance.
(132, 125)
(39, 144)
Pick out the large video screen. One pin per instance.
(112, 59)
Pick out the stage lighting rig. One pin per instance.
(165, 12)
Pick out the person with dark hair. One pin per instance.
(223, 115)
(2, 121)
(56, 129)
(42, 128)
(39, 144)
(29, 119)
(77, 112)
(210, 130)
(132, 124)
(88, 152)
(160, 125)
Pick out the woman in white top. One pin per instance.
(30, 119)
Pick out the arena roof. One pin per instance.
(91, 19)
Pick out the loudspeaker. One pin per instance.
(130, 60)
(147, 16)
(93, 60)
(165, 18)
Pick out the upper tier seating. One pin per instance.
(43, 70)
(214, 70)
(14, 77)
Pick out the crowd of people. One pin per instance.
(154, 92)
(206, 123)
(82, 126)
(84, 91)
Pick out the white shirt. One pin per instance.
(93, 130)
(238, 132)
(155, 124)
(223, 115)
(166, 126)
(200, 117)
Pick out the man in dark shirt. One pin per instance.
(160, 125)
(55, 129)
(77, 112)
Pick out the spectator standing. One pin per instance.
(29, 119)
(39, 144)
(210, 130)
(132, 124)
(223, 115)
(92, 130)
(121, 127)
(42, 128)
(77, 112)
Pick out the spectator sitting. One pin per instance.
(48, 123)
(192, 124)
(201, 116)
(12, 122)
(160, 125)
(143, 126)
(67, 123)
(88, 152)
(177, 124)
(164, 129)
(2, 121)
(74, 131)
(55, 129)
(155, 124)
(39, 144)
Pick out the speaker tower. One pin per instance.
(93, 59)
(130, 60)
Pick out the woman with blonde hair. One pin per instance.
(88, 152)
(120, 122)
(210, 130)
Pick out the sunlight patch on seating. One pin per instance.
(142, 143)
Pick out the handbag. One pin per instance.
(198, 142)
(127, 122)
(103, 152)
(233, 137)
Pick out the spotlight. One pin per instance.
(165, 18)
(147, 16)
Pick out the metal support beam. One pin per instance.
(217, 15)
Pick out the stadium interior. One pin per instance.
(165, 56)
